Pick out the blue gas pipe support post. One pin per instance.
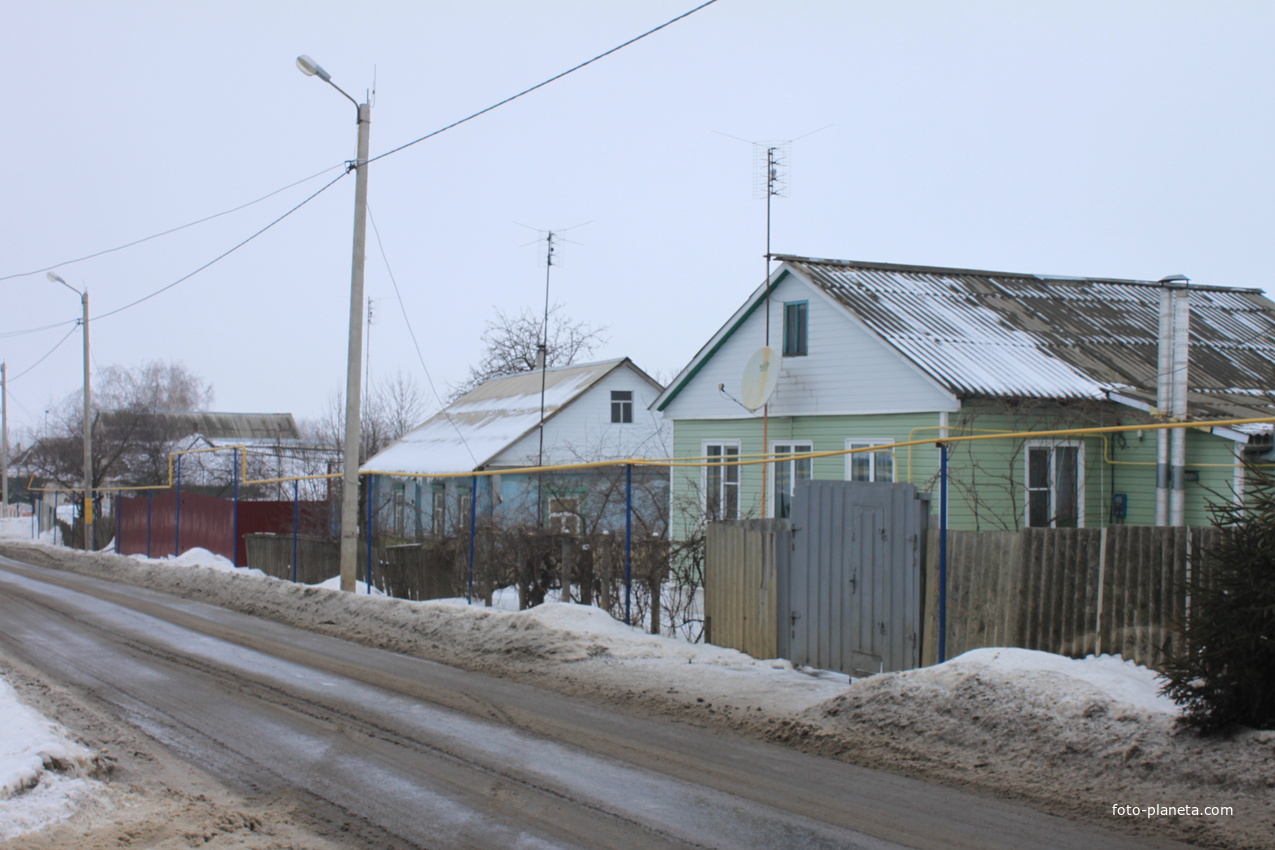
(473, 522)
(234, 520)
(177, 540)
(296, 522)
(628, 541)
(371, 480)
(942, 552)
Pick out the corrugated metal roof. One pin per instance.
(218, 425)
(982, 333)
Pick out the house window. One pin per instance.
(621, 405)
(400, 508)
(795, 313)
(786, 474)
(869, 466)
(438, 518)
(721, 481)
(1055, 486)
(564, 516)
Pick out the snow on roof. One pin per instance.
(471, 431)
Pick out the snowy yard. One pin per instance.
(1077, 737)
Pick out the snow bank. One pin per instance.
(43, 773)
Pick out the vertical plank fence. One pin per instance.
(1076, 591)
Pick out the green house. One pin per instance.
(875, 355)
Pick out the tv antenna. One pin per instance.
(772, 164)
(772, 167)
(551, 237)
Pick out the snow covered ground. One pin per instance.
(1077, 737)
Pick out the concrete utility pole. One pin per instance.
(87, 511)
(350, 493)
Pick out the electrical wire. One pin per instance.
(541, 85)
(8, 334)
(442, 405)
(174, 229)
(46, 356)
(222, 255)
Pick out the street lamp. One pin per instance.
(88, 422)
(350, 499)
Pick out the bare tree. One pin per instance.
(511, 343)
(130, 444)
(391, 408)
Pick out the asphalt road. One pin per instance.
(442, 758)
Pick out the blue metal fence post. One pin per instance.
(234, 520)
(473, 523)
(628, 542)
(296, 522)
(371, 480)
(942, 552)
(177, 541)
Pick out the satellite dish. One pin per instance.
(760, 377)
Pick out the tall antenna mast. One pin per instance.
(770, 180)
(552, 237)
(542, 351)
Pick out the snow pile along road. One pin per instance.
(44, 775)
(1072, 737)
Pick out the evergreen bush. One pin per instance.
(1225, 675)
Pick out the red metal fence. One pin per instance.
(148, 525)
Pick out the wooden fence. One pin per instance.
(741, 584)
(1119, 590)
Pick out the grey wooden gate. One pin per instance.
(852, 592)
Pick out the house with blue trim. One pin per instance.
(480, 445)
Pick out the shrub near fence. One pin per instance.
(1075, 591)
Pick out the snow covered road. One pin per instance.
(436, 756)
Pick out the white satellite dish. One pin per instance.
(760, 377)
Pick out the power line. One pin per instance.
(442, 405)
(541, 85)
(8, 334)
(224, 254)
(46, 356)
(174, 229)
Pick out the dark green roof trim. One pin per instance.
(708, 355)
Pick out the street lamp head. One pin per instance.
(57, 279)
(312, 69)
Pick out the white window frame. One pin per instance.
(791, 447)
(1052, 445)
(864, 442)
(721, 494)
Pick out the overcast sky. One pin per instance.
(1116, 139)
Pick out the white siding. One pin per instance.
(583, 430)
(847, 370)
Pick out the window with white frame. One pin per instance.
(564, 515)
(438, 510)
(721, 480)
(622, 406)
(1055, 485)
(867, 465)
(400, 507)
(786, 473)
